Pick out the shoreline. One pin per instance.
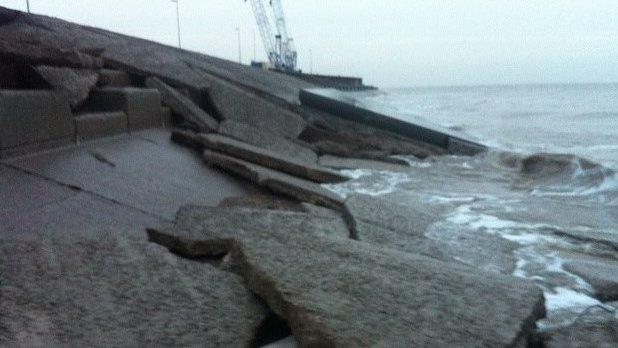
(236, 233)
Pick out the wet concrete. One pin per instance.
(149, 172)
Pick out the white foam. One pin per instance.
(442, 199)
(383, 183)
(565, 298)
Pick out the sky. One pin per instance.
(390, 43)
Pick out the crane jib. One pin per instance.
(280, 47)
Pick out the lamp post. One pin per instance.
(28, 5)
(177, 22)
(239, 47)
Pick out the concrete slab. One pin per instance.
(142, 106)
(270, 159)
(359, 163)
(76, 83)
(285, 184)
(32, 118)
(410, 228)
(144, 170)
(99, 125)
(368, 296)
(268, 140)
(184, 106)
(77, 270)
(235, 104)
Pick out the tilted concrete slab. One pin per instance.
(269, 159)
(98, 125)
(184, 106)
(358, 163)
(235, 104)
(33, 118)
(409, 228)
(76, 83)
(268, 140)
(77, 270)
(186, 235)
(142, 106)
(144, 170)
(367, 296)
(288, 185)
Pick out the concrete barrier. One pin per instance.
(98, 125)
(142, 106)
(336, 104)
(32, 119)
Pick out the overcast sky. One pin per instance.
(390, 43)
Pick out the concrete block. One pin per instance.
(76, 83)
(183, 105)
(142, 106)
(114, 78)
(270, 159)
(98, 125)
(236, 104)
(31, 118)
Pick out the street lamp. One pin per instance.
(239, 47)
(177, 22)
(28, 5)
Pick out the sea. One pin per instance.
(547, 184)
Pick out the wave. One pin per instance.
(561, 174)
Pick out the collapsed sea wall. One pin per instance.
(156, 196)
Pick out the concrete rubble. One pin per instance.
(156, 196)
(366, 290)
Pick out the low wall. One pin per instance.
(334, 103)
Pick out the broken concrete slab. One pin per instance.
(114, 78)
(187, 235)
(262, 201)
(142, 106)
(34, 117)
(410, 228)
(184, 106)
(76, 83)
(596, 328)
(278, 182)
(601, 274)
(269, 159)
(240, 105)
(91, 279)
(329, 133)
(358, 163)
(268, 140)
(369, 296)
(186, 138)
(403, 218)
(99, 125)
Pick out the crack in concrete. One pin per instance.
(80, 189)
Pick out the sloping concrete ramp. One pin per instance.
(335, 292)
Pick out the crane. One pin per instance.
(280, 47)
